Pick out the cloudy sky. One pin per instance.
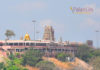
(17, 15)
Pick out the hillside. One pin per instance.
(78, 64)
(31, 68)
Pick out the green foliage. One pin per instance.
(18, 60)
(25, 69)
(1, 66)
(96, 52)
(45, 65)
(62, 56)
(32, 57)
(13, 67)
(84, 52)
(95, 62)
(9, 33)
(11, 56)
(14, 64)
(18, 55)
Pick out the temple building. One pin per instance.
(47, 45)
(48, 33)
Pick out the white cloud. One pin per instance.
(27, 6)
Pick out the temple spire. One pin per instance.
(48, 33)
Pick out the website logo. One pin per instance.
(78, 10)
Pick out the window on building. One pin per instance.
(21, 44)
(11, 44)
(32, 44)
(27, 44)
(15, 44)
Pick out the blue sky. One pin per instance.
(17, 15)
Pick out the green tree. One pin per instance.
(13, 67)
(9, 34)
(1, 66)
(45, 65)
(25, 69)
(32, 57)
(18, 55)
(95, 62)
(62, 56)
(11, 56)
(96, 52)
(84, 52)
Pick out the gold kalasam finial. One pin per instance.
(27, 37)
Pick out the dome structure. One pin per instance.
(27, 37)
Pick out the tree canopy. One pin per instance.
(95, 62)
(84, 52)
(45, 65)
(32, 57)
(61, 56)
(9, 33)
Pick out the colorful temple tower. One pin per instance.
(48, 33)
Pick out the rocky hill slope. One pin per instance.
(77, 65)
